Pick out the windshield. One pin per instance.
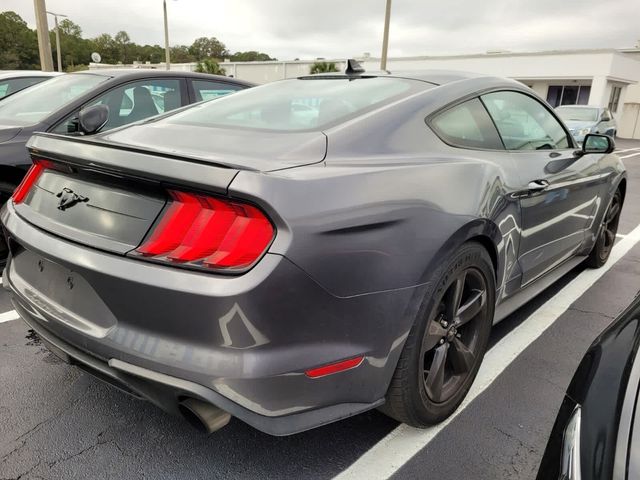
(33, 104)
(578, 114)
(300, 104)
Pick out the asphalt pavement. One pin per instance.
(57, 422)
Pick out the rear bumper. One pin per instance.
(240, 343)
(166, 391)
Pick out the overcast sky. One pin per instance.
(288, 29)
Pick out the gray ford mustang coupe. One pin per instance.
(309, 249)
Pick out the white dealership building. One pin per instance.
(603, 77)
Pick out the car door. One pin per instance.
(560, 191)
(133, 101)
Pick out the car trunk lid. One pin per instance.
(108, 197)
(245, 149)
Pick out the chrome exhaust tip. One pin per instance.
(203, 416)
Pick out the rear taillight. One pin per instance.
(213, 233)
(29, 180)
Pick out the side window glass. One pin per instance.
(207, 90)
(467, 125)
(8, 87)
(524, 123)
(133, 102)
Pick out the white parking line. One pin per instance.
(627, 150)
(400, 445)
(8, 316)
(631, 155)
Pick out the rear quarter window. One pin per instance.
(467, 125)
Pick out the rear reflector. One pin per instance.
(206, 232)
(334, 367)
(29, 180)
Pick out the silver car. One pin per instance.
(585, 119)
(291, 267)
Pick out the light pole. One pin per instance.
(44, 46)
(167, 57)
(58, 52)
(385, 37)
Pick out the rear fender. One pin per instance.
(483, 231)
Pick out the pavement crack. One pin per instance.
(98, 442)
(36, 427)
(6, 456)
(590, 312)
(27, 472)
(513, 437)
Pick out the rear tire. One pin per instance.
(606, 233)
(447, 342)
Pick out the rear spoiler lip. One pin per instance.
(132, 162)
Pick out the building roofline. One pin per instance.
(506, 53)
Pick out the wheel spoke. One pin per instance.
(460, 356)
(434, 380)
(470, 308)
(613, 212)
(457, 288)
(433, 336)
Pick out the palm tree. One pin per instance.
(209, 65)
(323, 67)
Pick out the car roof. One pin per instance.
(134, 73)
(27, 73)
(434, 77)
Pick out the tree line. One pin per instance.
(20, 48)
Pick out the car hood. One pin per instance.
(7, 132)
(578, 124)
(237, 148)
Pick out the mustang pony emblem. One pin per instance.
(68, 198)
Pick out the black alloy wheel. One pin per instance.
(607, 233)
(450, 345)
(446, 345)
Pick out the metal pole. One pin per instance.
(58, 51)
(167, 58)
(44, 46)
(385, 38)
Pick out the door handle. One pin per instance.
(538, 186)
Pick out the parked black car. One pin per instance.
(13, 81)
(131, 95)
(596, 435)
(305, 250)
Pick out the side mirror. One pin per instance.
(92, 119)
(73, 127)
(605, 118)
(597, 144)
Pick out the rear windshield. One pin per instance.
(34, 104)
(300, 104)
(577, 114)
